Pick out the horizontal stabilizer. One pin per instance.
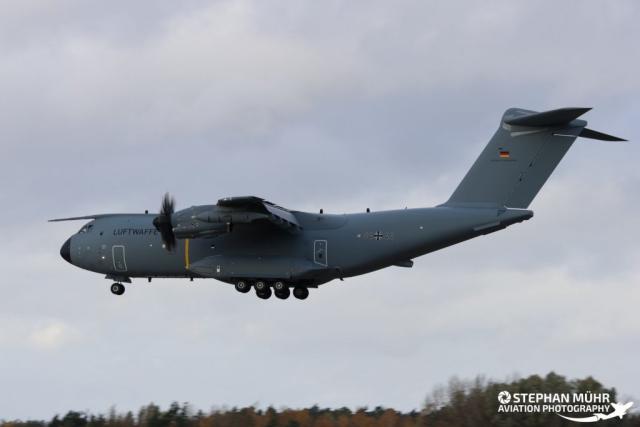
(557, 117)
(592, 134)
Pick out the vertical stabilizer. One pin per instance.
(521, 156)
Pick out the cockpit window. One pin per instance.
(86, 228)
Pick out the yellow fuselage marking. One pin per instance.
(186, 254)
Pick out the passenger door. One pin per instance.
(119, 261)
(320, 252)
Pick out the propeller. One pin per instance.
(163, 222)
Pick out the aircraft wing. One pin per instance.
(97, 216)
(250, 204)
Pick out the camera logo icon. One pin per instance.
(504, 397)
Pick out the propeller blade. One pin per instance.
(163, 222)
(168, 205)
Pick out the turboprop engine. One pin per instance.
(199, 221)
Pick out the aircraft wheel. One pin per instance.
(279, 286)
(242, 286)
(117, 289)
(283, 294)
(266, 294)
(300, 292)
(261, 285)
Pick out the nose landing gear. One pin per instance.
(117, 289)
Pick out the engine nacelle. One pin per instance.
(199, 229)
(209, 221)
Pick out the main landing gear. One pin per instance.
(282, 290)
(117, 289)
(300, 292)
(265, 290)
(242, 286)
(264, 294)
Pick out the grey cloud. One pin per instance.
(104, 107)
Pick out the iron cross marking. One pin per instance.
(377, 236)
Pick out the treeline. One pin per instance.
(459, 404)
(181, 415)
(475, 403)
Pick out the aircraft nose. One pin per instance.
(65, 250)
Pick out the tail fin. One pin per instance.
(521, 156)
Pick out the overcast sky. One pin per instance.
(104, 106)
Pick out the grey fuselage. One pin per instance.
(247, 239)
(325, 248)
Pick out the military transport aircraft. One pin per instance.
(250, 242)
